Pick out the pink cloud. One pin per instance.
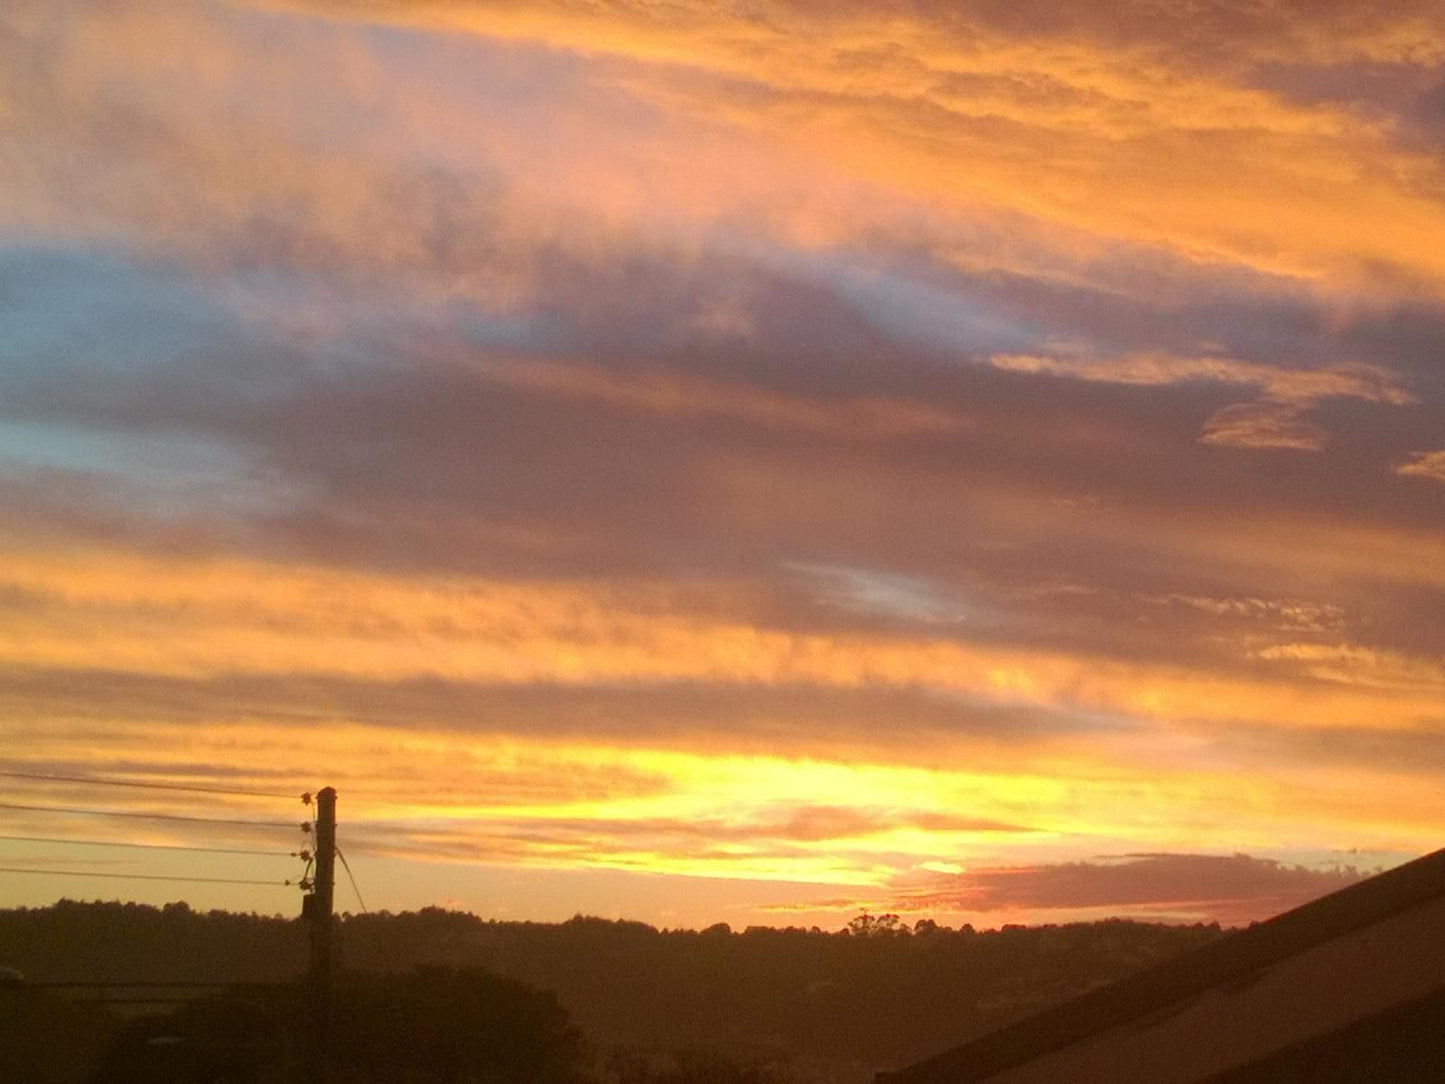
(1429, 465)
(1231, 889)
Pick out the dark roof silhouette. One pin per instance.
(1348, 987)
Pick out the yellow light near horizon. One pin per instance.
(539, 803)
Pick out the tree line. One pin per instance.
(641, 1004)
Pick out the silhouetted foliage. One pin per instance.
(866, 925)
(202, 1042)
(697, 1066)
(439, 1025)
(431, 1025)
(874, 995)
(47, 1039)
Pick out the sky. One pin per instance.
(749, 462)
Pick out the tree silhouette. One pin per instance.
(203, 1042)
(873, 995)
(440, 1025)
(866, 925)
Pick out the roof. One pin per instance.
(1342, 918)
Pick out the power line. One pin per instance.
(150, 984)
(352, 878)
(104, 999)
(151, 816)
(143, 876)
(91, 780)
(146, 846)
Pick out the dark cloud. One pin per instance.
(1230, 889)
(388, 454)
(1405, 752)
(1404, 96)
(729, 461)
(904, 725)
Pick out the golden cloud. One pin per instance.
(794, 124)
(1102, 129)
(209, 617)
(1429, 465)
(1278, 419)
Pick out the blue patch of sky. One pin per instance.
(907, 308)
(87, 328)
(95, 314)
(74, 312)
(149, 458)
(510, 331)
(891, 595)
(157, 475)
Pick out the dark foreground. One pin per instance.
(441, 996)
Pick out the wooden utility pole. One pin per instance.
(318, 909)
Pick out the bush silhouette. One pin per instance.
(440, 1025)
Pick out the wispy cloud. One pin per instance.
(1146, 129)
(1281, 382)
(1429, 465)
(1278, 419)
(1266, 424)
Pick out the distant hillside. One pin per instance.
(875, 995)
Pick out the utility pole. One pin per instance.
(318, 908)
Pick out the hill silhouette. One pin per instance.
(815, 1005)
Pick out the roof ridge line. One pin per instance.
(1158, 987)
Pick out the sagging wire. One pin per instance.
(352, 878)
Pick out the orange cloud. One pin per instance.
(1278, 419)
(1284, 383)
(1361, 666)
(216, 617)
(794, 124)
(1102, 128)
(1265, 424)
(1429, 465)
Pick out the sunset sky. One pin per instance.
(744, 462)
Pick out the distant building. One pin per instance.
(1350, 987)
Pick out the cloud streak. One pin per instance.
(1278, 419)
(1430, 465)
(1229, 889)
